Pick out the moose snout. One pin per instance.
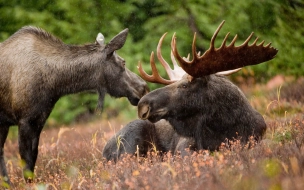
(143, 111)
(145, 91)
(137, 93)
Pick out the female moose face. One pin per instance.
(120, 81)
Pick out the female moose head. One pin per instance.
(119, 81)
(202, 103)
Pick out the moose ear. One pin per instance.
(100, 39)
(117, 42)
(190, 78)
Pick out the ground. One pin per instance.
(70, 156)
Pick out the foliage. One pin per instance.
(70, 158)
(79, 21)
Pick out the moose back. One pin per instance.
(201, 106)
(36, 69)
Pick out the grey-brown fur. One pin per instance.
(36, 69)
(210, 109)
(146, 136)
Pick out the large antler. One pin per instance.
(224, 58)
(174, 75)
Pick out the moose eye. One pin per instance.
(183, 86)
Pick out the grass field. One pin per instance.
(70, 157)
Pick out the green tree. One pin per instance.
(79, 21)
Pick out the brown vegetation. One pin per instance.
(70, 158)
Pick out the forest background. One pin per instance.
(79, 21)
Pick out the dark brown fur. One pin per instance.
(146, 136)
(36, 69)
(209, 109)
(200, 114)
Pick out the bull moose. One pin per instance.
(142, 136)
(199, 102)
(36, 69)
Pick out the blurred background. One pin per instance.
(79, 21)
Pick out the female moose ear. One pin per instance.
(100, 39)
(117, 42)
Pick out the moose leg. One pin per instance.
(3, 135)
(28, 148)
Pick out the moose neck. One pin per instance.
(186, 126)
(80, 69)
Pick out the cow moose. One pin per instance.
(36, 69)
(199, 102)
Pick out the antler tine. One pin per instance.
(233, 41)
(143, 74)
(162, 60)
(268, 45)
(177, 71)
(174, 75)
(215, 35)
(247, 40)
(224, 58)
(255, 41)
(262, 43)
(175, 65)
(226, 73)
(224, 41)
(195, 55)
(188, 57)
(155, 77)
(181, 61)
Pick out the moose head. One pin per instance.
(198, 100)
(116, 79)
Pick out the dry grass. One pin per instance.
(70, 158)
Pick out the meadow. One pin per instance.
(70, 157)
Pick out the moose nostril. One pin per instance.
(143, 112)
(144, 116)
